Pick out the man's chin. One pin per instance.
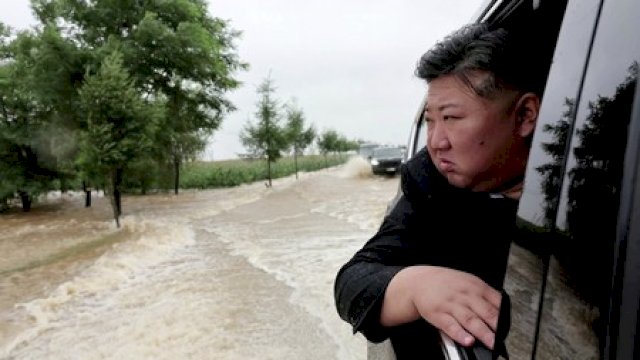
(457, 180)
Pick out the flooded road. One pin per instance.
(240, 273)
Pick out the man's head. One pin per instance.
(482, 106)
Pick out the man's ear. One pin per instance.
(527, 111)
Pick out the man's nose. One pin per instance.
(438, 139)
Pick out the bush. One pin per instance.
(203, 175)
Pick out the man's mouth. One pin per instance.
(445, 165)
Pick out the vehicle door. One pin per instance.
(572, 273)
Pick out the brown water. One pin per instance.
(241, 273)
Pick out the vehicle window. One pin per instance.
(366, 149)
(575, 307)
(529, 255)
(421, 136)
(388, 152)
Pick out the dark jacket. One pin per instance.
(433, 223)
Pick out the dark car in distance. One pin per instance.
(386, 160)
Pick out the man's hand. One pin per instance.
(460, 304)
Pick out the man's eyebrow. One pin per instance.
(443, 106)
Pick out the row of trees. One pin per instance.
(101, 91)
(279, 129)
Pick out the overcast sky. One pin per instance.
(347, 63)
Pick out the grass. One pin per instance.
(216, 174)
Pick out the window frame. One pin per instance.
(622, 332)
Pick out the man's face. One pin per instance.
(477, 143)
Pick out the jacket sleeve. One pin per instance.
(361, 283)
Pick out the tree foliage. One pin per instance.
(330, 141)
(298, 135)
(178, 62)
(267, 137)
(26, 145)
(173, 50)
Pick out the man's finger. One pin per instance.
(450, 326)
(474, 325)
(486, 311)
(493, 296)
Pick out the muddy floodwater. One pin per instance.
(239, 273)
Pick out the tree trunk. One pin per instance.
(295, 161)
(87, 194)
(116, 190)
(115, 212)
(176, 173)
(26, 201)
(269, 171)
(114, 195)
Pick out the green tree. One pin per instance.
(267, 138)
(328, 142)
(343, 144)
(56, 72)
(298, 136)
(26, 161)
(181, 61)
(331, 141)
(174, 51)
(118, 127)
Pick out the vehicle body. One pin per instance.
(386, 160)
(573, 271)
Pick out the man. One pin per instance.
(437, 262)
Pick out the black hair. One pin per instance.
(509, 61)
